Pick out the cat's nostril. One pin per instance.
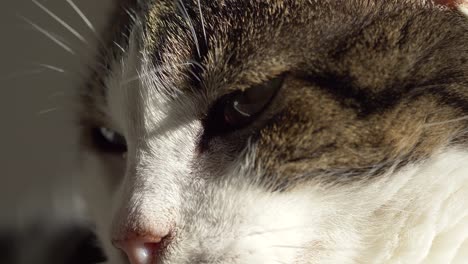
(140, 250)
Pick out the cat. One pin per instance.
(279, 131)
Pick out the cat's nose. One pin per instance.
(140, 249)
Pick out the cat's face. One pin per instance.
(276, 131)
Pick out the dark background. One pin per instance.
(39, 185)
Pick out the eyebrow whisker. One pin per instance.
(60, 21)
(202, 19)
(49, 35)
(157, 70)
(190, 23)
(82, 15)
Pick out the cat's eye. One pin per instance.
(108, 141)
(243, 106)
(240, 108)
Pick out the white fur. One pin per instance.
(464, 7)
(419, 215)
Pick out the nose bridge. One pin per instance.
(146, 204)
(139, 217)
(150, 195)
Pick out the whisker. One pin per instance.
(82, 15)
(86, 21)
(322, 248)
(158, 70)
(46, 111)
(463, 118)
(257, 233)
(202, 21)
(57, 69)
(120, 47)
(192, 62)
(42, 69)
(189, 21)
(289, 246)
(60, 21)
(52, 67)
(48, 35)
(131, 14)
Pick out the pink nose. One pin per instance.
(140, 249)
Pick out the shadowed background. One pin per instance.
(39, 185)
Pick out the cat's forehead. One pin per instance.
(253, 40)
(232, 44)
(236, 43)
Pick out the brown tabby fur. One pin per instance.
(369, 85)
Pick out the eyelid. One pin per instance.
(256, 101)
(248, 83)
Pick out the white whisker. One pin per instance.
(463, 118)
(60, 21)
(131, 14)
(202, 21)
(189, 21)
(192, 62)
(140, 76)
(262, 232)
(289, 246)
(82, 15)
(120, 47)
(46, 111)
(51, 67)
(48, 35)
(158, 70)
